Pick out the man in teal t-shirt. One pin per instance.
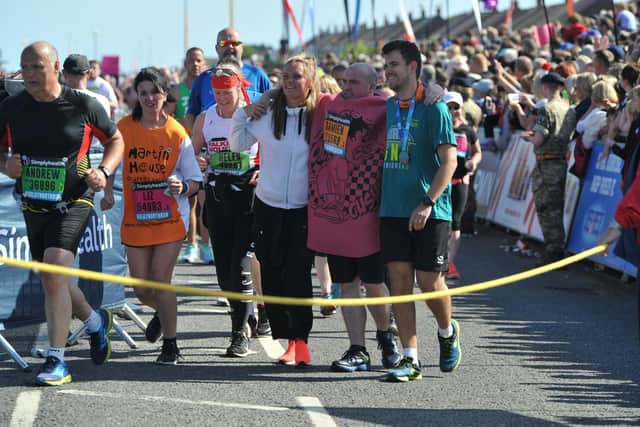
(415, 207)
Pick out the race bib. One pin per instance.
(151, 201)
(336, 131)
(43, 180)
(462, 145)
(222, 160)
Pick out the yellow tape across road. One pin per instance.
(130, 281)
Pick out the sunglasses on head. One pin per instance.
(232, 43)
(224, 72)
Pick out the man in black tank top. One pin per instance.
(47, 130)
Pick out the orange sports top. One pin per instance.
(150, 217)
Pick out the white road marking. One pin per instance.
(316, 412)
(204, 310)
(200, 282)
(26, 410)
(271, 347)
(162, 399)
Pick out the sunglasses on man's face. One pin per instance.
(232, 43)
(454, 107)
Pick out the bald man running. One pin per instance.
(47, 129)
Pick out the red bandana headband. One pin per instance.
(221, 81)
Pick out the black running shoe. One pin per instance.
(154, 329)
(239, 345)
(264, 327)
(253, 325)
(170, 353)
(354, 359)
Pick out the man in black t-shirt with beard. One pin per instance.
(48, 130)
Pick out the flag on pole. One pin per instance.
(509, 17)
(346, 11)
(312, 17)
(570, 10)
(356, 21)
(476, 13)
(408, 29)
(292, 15)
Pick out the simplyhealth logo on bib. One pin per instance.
(43, 180)
(394, 146)
(151, 200)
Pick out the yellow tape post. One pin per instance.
(131, 281)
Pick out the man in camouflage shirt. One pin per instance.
(550, 136)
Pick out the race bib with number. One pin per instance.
(336, 133)
(151, 201)
(43, 180)
(222, 160)
(462, 145)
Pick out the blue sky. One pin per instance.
(151, 32)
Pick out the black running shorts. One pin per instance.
(426, 249)
(57, 230)
(344, 269)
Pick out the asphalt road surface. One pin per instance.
(559, 349)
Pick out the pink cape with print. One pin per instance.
(346, 154)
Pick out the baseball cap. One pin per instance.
(454, 97)
(76, 64)
(617, 51)
(483, 85)
(553, 78)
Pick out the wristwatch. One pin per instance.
(105, 171)
(428, 201)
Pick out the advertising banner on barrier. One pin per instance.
(21, 295)
(486, 175)
(512, 204)
(600, 195)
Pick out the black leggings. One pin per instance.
(458, 202)
(285, 266)
(229, 220)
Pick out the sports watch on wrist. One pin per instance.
(428, 201)
(105, 171)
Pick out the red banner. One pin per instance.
(289, 9)
(111, 65)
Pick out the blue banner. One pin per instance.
(21, 294)
(598, 201)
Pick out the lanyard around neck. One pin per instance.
(404, 130)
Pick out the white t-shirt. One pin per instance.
(100, 85)
(627, 21)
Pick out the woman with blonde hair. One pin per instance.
(280, 205)
(603, 98)
(328, 84)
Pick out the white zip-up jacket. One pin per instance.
(283, 163)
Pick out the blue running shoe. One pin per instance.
(352, 360)
(390, 353)
(450, 351)
(336, 291)
(99, 340)
(53, 372)
(407, 370)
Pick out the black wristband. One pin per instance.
(185, 187)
